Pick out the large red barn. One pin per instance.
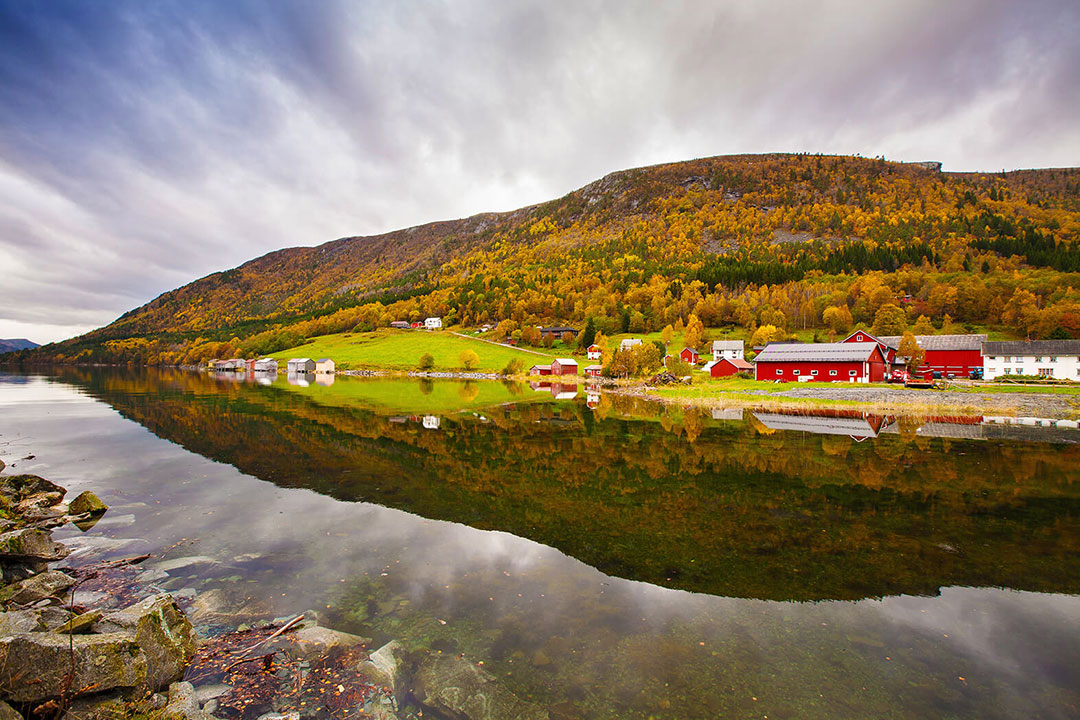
(955, 355)
(888, 350)
(563, 366)
(821, 362)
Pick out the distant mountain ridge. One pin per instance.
(741, 241)
(17, 344)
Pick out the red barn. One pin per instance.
(888, 349)
(726, 367)
(593, 370)
(822, 362)
(563, 366)
(955, 355)
(690, 356)
(540, 370)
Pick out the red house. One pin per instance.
(563, 366)
(690, 355)
(540, 370)
(726, 367)
(594, 352)
(593, 370)
(822, 362)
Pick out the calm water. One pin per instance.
(620, 560)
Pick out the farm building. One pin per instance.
(556, 331)
(955, 355)
(593, 370)
(433, 323)
(856, 425)
(594, 352)
(727, 366)
(325, 365)
(540, 370)
(629, 343)
(266, 365)
(563, 366)
(690, 356)
(1059, 359)
(821, 362)
(887, 351)
(301, 365)
(400, 325)
(727, 349)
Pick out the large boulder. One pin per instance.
(30, 544)
(87, 502)
(34, 666)
(456, 688)
(163, 632)
(50, 583)
(19, 487)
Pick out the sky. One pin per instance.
(146, 144)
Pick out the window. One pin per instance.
(1053, 359)
(1008, 371)
(832, 373)
(1038, 359)
(991, 358)
(851, 373)
(795, 372)
(859, 338)
(813, 372)
(779, 371)
(1046, 372)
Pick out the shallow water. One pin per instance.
(616, 561)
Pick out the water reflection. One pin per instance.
(890, 529)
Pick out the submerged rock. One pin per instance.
(183, 705)
(33, 666)
(30, 544)
(50, 583)
(455, 687)
(311, 642)
(87, 502)
(386, 667)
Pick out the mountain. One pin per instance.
(740, 241)
(16, 344)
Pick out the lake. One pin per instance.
(602, 556)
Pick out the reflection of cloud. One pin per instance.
(142, 146)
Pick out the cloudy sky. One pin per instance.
(146, 144)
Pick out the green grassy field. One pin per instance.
(401, 350)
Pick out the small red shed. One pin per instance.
(725, 367)
(563, 366)
(593, 370)
(690, 355)
(540, 370)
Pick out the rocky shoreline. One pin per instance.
(101, 640)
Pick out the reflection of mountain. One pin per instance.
(741, 510)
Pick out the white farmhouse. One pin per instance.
(629, 343)
(1058, 359)
(433, 323)
(730, 349)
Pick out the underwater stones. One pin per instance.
(454, 686)
(37, 587)
(183, 562)
(163, 633)
(30, 544)
(311, 642)
(33, 666)
(87, 502)
(386, 667)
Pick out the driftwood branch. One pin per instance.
(264, 657)
(284, 628)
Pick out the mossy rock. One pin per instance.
(31, 544)
(34, 666)
(163, 632)
(86, 502)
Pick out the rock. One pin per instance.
(165, 635)
(87, 502)
(386, 667)
(19, 487)
(206, 693)
(6, 711)
(98, 545)
(151, 576)
(454, 686)
(33, 666)
(280, 716)
(38, 501)
(311, 642)
(50, 583)
(96, 707)
(30, 544)
(183, 705)
(183, 562)
(21, 621)
(15, 571)
(79, 624)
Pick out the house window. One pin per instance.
(1053, 359)
(795, 372)
(851, 373)
(1038, 359)
(813, 372)
(832, 373)
(991, 358)
(1046, 372)
(1008, 371)
(859, 338)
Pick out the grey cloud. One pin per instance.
(187, 137)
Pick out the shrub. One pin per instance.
(469, 359)
(426, 361)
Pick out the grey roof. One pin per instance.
(1033, 347)
(939, 342)
(727, 345)
(857, 426)
(817, 352)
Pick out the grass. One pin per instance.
(401, 350)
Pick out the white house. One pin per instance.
(629, 343)
(324, 366)
(731, 349)
(1059, 359)
(266, 365)
(301, 365)
(433, 323)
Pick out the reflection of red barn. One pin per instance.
(690, 356)
(821, 362)
(726, 367)
(540, 370)
(563, 366)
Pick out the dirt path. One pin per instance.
(511, 347)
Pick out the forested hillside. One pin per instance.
(789, 241)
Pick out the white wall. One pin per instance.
(1061, 367)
